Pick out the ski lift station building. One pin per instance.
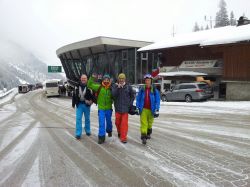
(102, 55)
(221, 55)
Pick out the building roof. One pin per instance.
(216, 36)
(97, 45)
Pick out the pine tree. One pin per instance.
(196, 27)
(232, 19)
(221, 18)
(207, 27)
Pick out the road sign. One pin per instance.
(54, 69)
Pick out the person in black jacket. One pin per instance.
(82, 99)
(124, 96)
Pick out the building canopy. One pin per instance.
(100, 45)
(99, 55)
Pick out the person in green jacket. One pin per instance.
(104, 102)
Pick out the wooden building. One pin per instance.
(222, 53)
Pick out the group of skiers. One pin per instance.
(104, 93)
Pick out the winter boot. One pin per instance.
(109, 134)
(88, 134)
(124, 141)
(144, 139)
(101, 139)
(149, 133)
(78, 137)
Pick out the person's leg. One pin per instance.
(108, 115)
(124, 127)
(118, 122)
(79, 112)
(101, 134)
(144, 124)
(144, 121)
(150, 124)
(87, 119)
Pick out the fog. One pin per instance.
(43, 26)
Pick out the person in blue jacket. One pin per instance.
(148, 105)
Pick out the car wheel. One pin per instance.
(188, 98)
(164, 98)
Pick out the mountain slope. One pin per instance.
(17, 65)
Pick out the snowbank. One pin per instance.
(7, 96)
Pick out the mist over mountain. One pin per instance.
(18, 65)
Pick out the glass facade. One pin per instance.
(113, 63)
(134, 64)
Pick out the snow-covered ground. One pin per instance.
(193, 144)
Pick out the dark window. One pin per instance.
(203, 86)
(124, 55)
(52, 84)
(187, 86)
(144, 56)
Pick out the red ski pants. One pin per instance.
(121, 122)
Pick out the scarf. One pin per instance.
(106, 86)
(82, 92)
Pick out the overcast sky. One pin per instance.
(43, 26)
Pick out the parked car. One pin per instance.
(188, 92)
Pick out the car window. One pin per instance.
(176, 87)
(182, 87)
(189, 86)
(203, 86)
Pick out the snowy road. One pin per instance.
(193, 144)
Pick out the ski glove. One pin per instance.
(156, 114)
(137, 111)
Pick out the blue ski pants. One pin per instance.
(104, 116)
(80, 109)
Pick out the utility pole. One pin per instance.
(173, 32)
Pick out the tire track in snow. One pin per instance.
(124, 173)
(15, 141)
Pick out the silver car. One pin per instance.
(188, 92)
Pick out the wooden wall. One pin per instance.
(175, 56)
(237, 62)
(236, 58)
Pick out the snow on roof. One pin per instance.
(181, 73)
(236, 34)
(222, 35)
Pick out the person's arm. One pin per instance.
(93, 85)
(89, 97)
(114, 90)
(73, 100)
(92, 96)
(138, 98)
(157, 99)
(132, 96)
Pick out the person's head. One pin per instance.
(106, 79)
(121, 78)
(148, 80)
(84, 79)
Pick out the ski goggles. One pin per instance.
(147, 76)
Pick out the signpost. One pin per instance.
(54, 69)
